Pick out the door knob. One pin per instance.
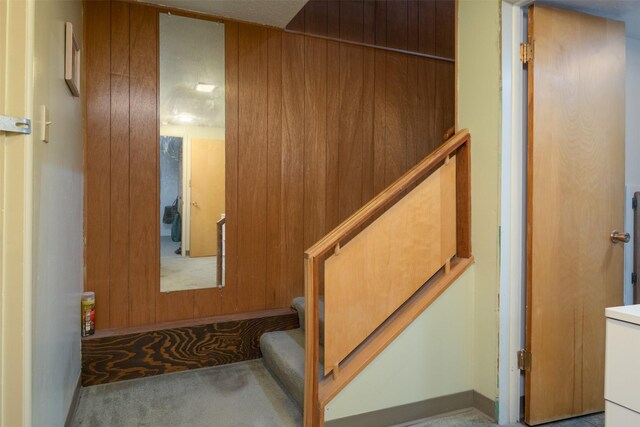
(617, 236)
(195, 204)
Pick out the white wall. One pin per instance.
(632, 153)
(632, 150)
(431, 358)
(479, 110)
(57, 220)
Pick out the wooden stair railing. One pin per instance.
(220, 226)
(383, 266)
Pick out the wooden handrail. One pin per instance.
(318, 389)
(220, 264)
(373, 46)
(382, 200)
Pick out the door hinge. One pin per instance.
(526, 53)
(634, 278)
(524, 360)
(634, 202)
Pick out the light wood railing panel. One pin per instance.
(379, 269)
(450, 245)
(330, 386)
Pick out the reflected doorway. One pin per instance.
(190, 245)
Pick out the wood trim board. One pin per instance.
(398, 415)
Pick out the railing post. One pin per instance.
(312, 409)
(463, 200)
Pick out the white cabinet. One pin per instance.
(622, 367)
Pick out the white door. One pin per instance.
(16, 98)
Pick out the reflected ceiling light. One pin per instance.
(184, 118)
(205, 87)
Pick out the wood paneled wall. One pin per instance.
(314, 129)
(423, 26)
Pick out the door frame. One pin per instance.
(16, 183)
(513, 213)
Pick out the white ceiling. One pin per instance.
(621, 10)
(275, 13)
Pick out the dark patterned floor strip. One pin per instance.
(108, 358)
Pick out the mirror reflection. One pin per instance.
(192, 153)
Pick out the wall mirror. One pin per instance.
(192, 153)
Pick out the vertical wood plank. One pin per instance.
(230, 292)
(172, 306)
(206, 302)
(427, 26)
(444, 102)
(350, 130)
(293, 69)
(97, 154)
(252, 167)
(380, 120)
(396, 120)
(316, 18)
(368, 111)
(449, 95)
(413, 25)
(369, 22)
(143, 152)
(274, 297)
(352, 20)
(315, 144)
(397, 24)
(333, 18)
(445, 28)
(119, 164)
(428, 139)
(439, 101)
(333, 136)
(381, 22)
(413, 112)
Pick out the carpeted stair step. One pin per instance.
(298, 304)
(283, 353)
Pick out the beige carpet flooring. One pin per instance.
(183, 272)
(242, 394)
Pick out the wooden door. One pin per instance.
(207, 195)
(575, 199)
